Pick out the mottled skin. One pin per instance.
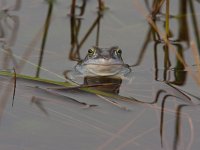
(102, 62)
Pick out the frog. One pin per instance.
(101, 66)
(102, 62)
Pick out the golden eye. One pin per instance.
(91, 51)
(119, 51)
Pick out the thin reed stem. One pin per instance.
(167, 19)
(46, 28)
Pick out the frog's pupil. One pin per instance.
(90, 51)
(119, 51)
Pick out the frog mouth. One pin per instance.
(104, 62)
(104, 69)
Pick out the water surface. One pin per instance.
(163, 112)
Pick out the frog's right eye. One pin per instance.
(91, 51)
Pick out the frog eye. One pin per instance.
(118, 51)
(91, 51)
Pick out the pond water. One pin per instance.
(155, 107)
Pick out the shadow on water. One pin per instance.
(169, 72)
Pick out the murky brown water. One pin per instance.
(164, 109)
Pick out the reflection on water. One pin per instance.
(167, 91)
(75, 25)
(9, 24)
(106, 84)
(46, 28)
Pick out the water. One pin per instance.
(158, 108)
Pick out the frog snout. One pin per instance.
(106, 57)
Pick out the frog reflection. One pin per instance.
(101, 66)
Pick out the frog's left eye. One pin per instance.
(91, 52)
(118, 51)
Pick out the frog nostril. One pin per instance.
(106, 57)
